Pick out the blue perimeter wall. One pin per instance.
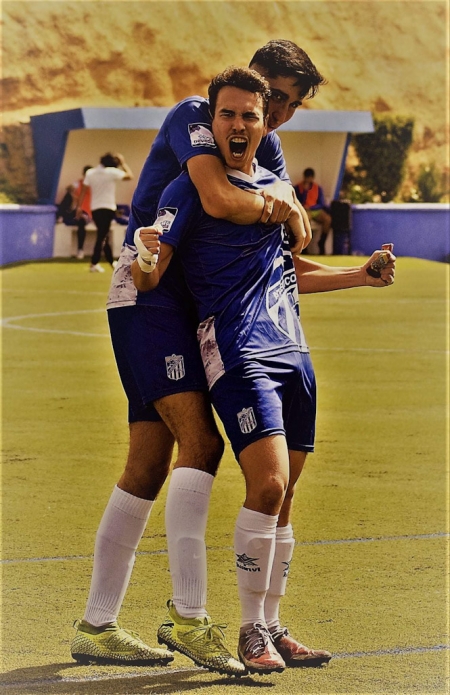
(421, 230)
(26, 232)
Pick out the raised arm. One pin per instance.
(124, 166)
(317, 277)
(152, 260)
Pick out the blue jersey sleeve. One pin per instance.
(179, 209)
(270, 156)
(189, 130)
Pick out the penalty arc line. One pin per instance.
(9, 322)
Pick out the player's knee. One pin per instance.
(212, 453)
(269, 494)
(203, 453)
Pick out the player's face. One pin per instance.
(238, 126)
(285, 99)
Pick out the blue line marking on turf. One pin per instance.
(342, 541)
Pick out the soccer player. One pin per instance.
(159, 363)
(256, 361)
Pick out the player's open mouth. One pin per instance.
(237, 147)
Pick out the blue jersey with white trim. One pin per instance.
(185, 133)
(241, 277)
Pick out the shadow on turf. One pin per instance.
(47, 679)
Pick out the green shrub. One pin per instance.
(429, 188)
(382, 156)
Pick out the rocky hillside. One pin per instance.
(377, 55)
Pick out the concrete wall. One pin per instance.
(26, 232)
(421, 230)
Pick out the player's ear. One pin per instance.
(266, 124)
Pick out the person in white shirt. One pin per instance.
(102, 181)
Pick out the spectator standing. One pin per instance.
(311, 196)
(102, 181)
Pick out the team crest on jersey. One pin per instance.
(247, 420)
(166, 217)
(201, 135)
(175, 367)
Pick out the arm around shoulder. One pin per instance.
(218, 196)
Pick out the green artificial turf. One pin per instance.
(369, 580)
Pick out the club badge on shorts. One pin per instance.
(175, 367)
(247, 420)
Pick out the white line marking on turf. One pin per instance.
(84, 293)
(351, 348)
(395, 651)
(341, 541)
(10, 322)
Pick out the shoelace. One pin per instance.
(213, 632)
(279, 632)
(256, 639)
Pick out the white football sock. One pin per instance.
(186, 515)
(254, 545)
(284, 549)
(118, 536)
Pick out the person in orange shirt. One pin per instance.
(311, 196)
(67, 211)
(86, 214)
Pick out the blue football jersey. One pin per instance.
(241, 277)
(185, 133)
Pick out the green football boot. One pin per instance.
(114, 645)
(201, 640)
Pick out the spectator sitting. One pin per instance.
(67, 211)
(311, 196)
(86, 213)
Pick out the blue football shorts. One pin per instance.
(267, 396)
(157, 355)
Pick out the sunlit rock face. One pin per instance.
(387, 57)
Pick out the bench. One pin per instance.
(65, 239)
(313, 247)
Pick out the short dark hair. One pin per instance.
(109, 160)
(86, 168)
(242, 78)
(309, 172)
(283, 58)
